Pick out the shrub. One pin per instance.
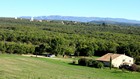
(134, 67)
(95, 63)
(83, 61)
(138, 61)
(98, 64)
(90, 63)
(138, 69)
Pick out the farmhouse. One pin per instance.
(117, 59)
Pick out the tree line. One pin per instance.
(70, 38)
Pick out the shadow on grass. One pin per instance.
(81, 65)
(120, 71)
(78, 65)
(74, 64)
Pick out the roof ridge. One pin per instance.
(107, 56)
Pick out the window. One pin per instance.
(123, 60)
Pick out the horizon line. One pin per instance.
(71, 16)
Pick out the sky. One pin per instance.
(129, 9)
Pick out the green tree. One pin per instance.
(56, 45)
(39, 50)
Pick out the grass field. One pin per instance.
(20, 67)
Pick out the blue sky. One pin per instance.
(128, 9)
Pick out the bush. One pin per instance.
(95, 63)
(138, 69)
(98, 64)
(83, 62)
(90, 63)
(138, 61)
(134, 67)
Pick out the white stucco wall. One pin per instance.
(122, 59)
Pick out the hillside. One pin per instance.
(19, 67)
(119, 21)
(115, 23)
(67, 37)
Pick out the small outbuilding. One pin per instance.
(117, 59)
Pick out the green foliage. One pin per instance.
(97, 64)
(56, 46)
(81, 39)
(138, 69)
(18, 48)
(2, 47)
(137, 60)
(83, 61)
(40, 49)
(90, 63)
(100, 65)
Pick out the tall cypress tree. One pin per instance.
(110, 62)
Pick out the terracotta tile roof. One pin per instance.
(106, 57)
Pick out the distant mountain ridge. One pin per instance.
(84, 19)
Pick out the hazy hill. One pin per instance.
(88, 19)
